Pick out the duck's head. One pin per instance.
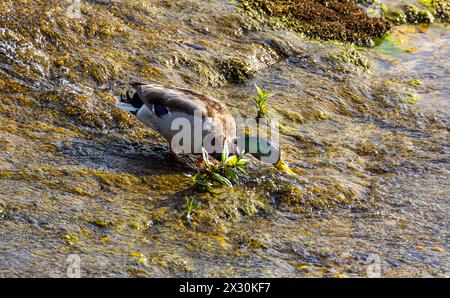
(265, 151)
(129, 103)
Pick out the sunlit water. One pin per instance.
(365, 130)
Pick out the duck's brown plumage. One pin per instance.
(179, 99)
(187, 101)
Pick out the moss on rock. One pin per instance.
(442, 8)
(417, 16)
(429, 11)
(328, 20)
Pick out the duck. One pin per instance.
(193, 122)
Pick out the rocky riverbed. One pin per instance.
(362, 98)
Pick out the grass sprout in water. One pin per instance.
(260, 102)
(223, 173)
(191, 205)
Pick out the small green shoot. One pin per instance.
(260, 101)
(222, 173)
(191, 205)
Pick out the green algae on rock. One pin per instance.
(439, 8)
(328, 20)
(417, 16)
(422, 12)
(78, 176)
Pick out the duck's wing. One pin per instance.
(179, 100)
(163, 101)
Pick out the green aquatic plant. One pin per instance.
(415, 83)
(327, 20)
(260, 102)
(390, 46)
(191, 205)
(409, 14)
(140, 258)
(412, 98)
(418, 16)
(398, 17)
(215, 174)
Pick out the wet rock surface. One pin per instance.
(335, 20)
(365, 131)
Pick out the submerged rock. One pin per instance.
(442, 9)
(79, 176)
(328, 20)
(417, 16)
(425, 12)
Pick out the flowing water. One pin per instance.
(364, 129)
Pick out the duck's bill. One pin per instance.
(282, 166)
(126, 107)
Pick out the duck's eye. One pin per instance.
(160, 110)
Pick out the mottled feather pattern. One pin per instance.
(178, 99)
(163, 104)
